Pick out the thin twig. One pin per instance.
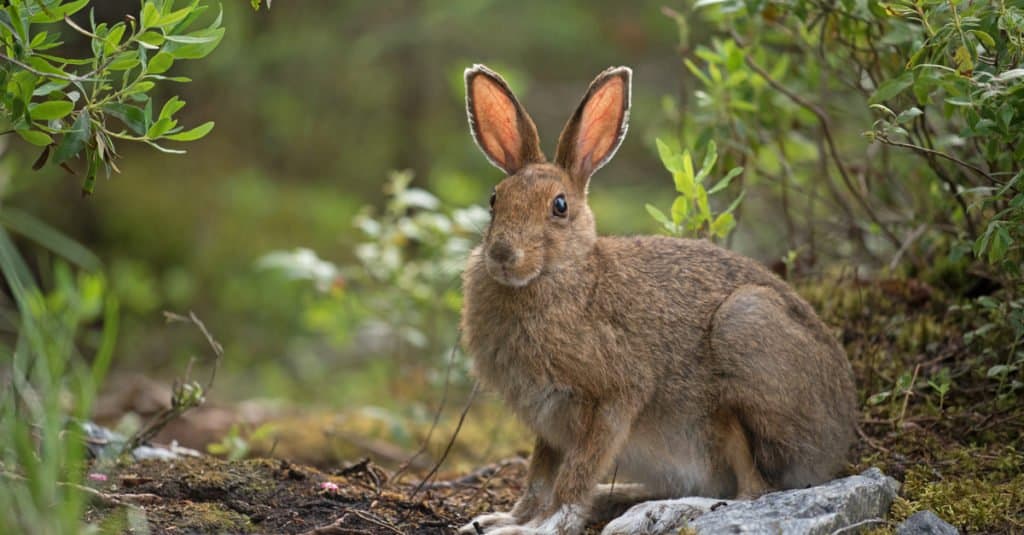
(33, 70)
(437, 415)
(940, 154)
(451, 442)
(118, 499)
(218, 349)
(907, 394)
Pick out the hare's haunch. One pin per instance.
(691, 370)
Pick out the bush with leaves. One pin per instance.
(691, 213)
(405, 290)
(935, 86)
(80, 108)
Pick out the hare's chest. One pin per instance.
(526, 372)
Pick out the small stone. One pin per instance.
(926, 523)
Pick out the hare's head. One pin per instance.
(540, 221)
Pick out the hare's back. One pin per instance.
(683, 270)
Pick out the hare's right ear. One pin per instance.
(500, 126)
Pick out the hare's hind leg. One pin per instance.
(738, 456)
(787, 388)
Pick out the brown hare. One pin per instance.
(680, 366)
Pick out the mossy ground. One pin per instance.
(957, 450)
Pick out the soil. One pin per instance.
(209, 495)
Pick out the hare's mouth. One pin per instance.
(507, 276)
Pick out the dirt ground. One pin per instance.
(209, 495)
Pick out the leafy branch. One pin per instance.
(77, 108)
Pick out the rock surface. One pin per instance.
(836, 506)
(926, 523)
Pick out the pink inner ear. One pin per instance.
(600, 124)
(496, 122)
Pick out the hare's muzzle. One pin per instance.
(508, 266)
(502, 253)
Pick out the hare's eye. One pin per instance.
(559, 206)
(494, 195)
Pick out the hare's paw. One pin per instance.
(486, 522)
(567, 520)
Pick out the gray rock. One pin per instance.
(840, 506)
(926, 523)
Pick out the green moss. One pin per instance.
(972, 503)
(208, 517)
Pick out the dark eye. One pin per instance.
(494, 195)
(559, 206)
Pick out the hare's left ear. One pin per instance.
(596, 130)
(499, 124)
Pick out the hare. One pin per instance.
(672, 363)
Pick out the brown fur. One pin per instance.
(692, 369)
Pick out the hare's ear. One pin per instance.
(596, 130)
(500, 126)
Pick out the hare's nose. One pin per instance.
(501, 252)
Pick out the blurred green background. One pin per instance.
(316, 102)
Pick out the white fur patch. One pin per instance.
(490, 520)
(568, 520)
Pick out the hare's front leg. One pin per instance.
(539, 480)
(597, 437)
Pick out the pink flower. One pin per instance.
(97, 477)
(329, 486)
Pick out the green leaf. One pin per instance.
(56, 13)
(198, 132)
(710, 157)
(124, 61)
(723, 224)
(702, 203)
(47, 111)
(172, 106)
(684, 184)
(680, 209)
(160, 63)
(160, 127)
(892, 87)
(113, 39)
(192, 38)
(132, 116)
(196, 50)
(724, 182)
(669, 158)
(964, 61)
(1001, 242)
(736, 202)
(658, 215)
(139, 87)
(985, 39)
(173, 17)
(74, 140)
(151, 40)
(35, 137)
(150, 15)
(38, 231)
